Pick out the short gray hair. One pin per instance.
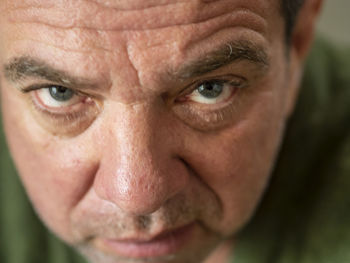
(290, 10)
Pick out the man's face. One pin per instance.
(144, 129)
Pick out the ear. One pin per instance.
(304, 29)
(301, 41)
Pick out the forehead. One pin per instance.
(120, 33)
(128, 14)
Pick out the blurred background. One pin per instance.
(335, 21)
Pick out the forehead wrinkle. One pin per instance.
(117, 5)
(84, 40)
(139, 5)
(24, 4)
(78, 15)
(83, 49)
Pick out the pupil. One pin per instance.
(210, 90)
(61, 93)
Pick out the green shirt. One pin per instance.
(305, 214)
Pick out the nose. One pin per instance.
(140, 169)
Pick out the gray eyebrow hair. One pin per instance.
(23, 67)
(224, 55)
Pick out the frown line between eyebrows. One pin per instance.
(224, 55)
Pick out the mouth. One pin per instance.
(163, 244)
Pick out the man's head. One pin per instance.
(147, 130)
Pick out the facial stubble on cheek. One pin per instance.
(197, 204)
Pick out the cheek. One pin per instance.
(55, 172)
(236, 163)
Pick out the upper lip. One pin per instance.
(151, 238)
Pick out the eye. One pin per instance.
(211, 104)
(58, 97)
(61, 110)
(61, 93)
(212, 92)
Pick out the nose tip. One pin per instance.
(144, 194)
(142, 188)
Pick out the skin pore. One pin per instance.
(117, 133)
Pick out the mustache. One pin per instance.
(104, 219)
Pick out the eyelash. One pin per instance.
(66, 122)
(234, 81)
(204, 117)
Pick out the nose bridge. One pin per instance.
(136, 130)
(139, 170)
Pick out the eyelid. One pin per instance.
(237, 81)
(35, 87)
(66, 121)
(226, 79)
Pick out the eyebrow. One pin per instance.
(224, 55)
(23, 67)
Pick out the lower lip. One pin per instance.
(162, 246)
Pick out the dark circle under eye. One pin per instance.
(210, 89)
(60, 93)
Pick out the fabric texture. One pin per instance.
(304, 216)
